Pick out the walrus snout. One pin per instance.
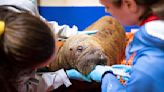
(87, 61)
(102, 60)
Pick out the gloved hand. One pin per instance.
(122, 70)
(119, 70)
(74, 74)
(126, 68)
(97, 73)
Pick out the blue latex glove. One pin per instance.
(74, 74)
(126, 68)
(109, 82)
(97, 73)
(119, 70)
(122, 70)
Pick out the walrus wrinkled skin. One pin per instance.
(84, 52)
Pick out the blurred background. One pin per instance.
(81, 13)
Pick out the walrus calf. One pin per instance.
(84, 52)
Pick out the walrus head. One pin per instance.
(81, 52)
(84, 52)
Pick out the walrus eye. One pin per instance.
(79, 48)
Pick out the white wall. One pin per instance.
(69, 3)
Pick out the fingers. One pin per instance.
(126, 68)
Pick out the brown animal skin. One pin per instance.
(111, 36)
(84, 52)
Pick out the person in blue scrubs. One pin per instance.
(147, 46)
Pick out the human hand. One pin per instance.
(119, 70)
(122, 70)
(97, 73)
(126, 68)
(74, 74)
